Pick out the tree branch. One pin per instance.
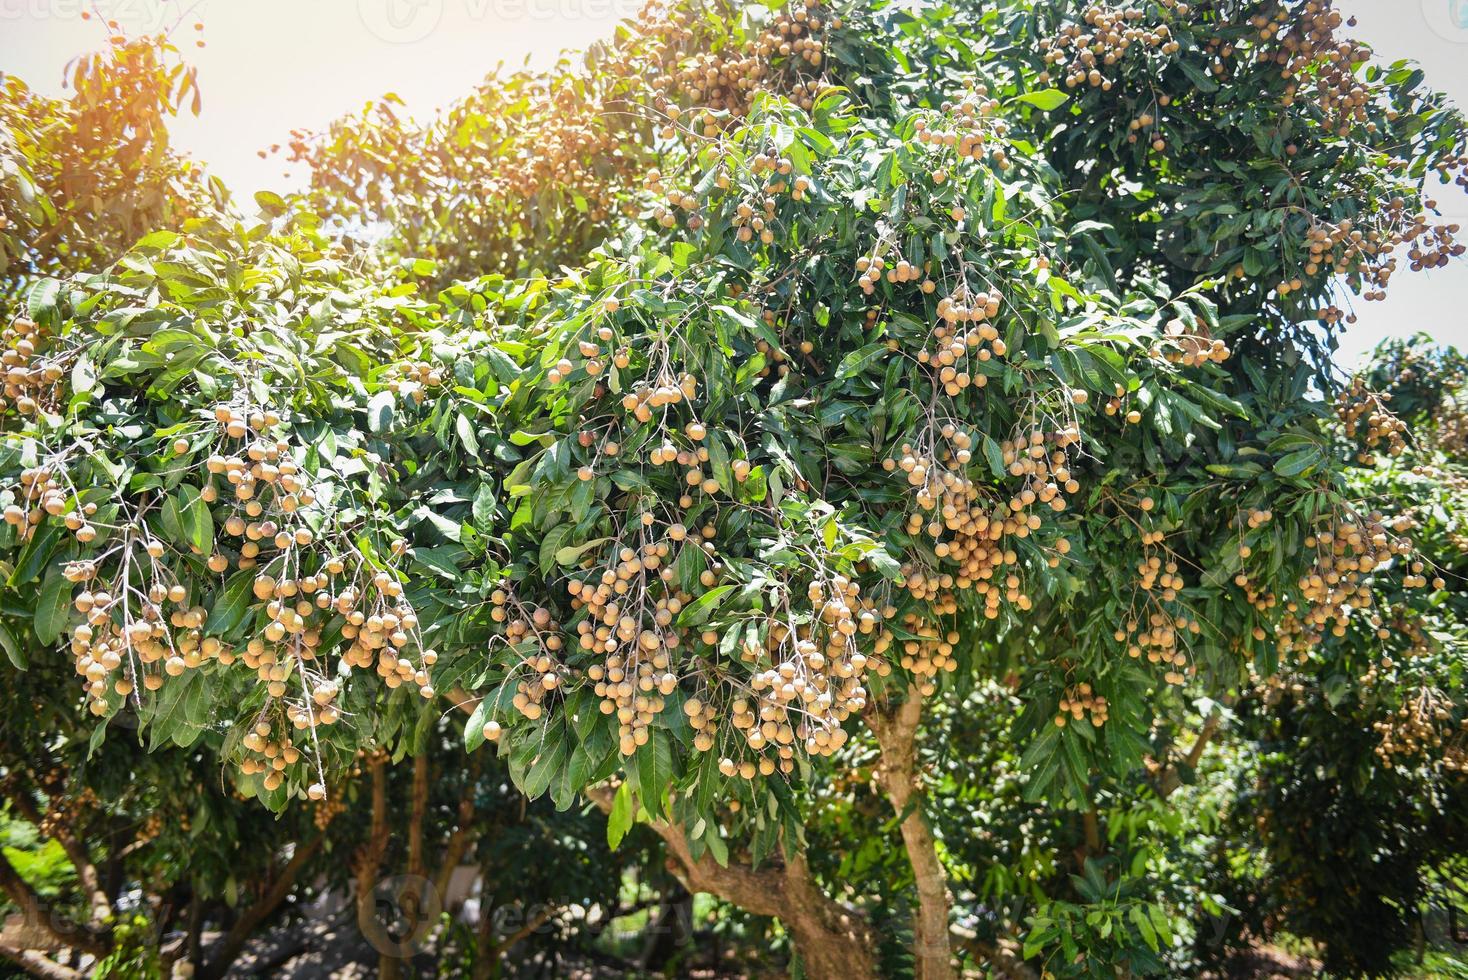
(896, 732)
(1171, 778)
(63, 930)
(37, 964)
(464, 833)
(530, 926)
(834, 942)
(229, 947)
(99, 905)
(1003, 958)
(419, 808)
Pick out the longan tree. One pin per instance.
(898, 362)
(84, 177)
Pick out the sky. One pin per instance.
(268, 66)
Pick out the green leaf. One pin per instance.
(858, 360)
(550, 757)
(230, 606)
(52, 606)
(567, 557)
(1299, 463)
(1144, 926)
(698, 611)
(484, 505)
(13, 652)
(270, 202)
(465, 430)
(655, 769)
(1045, 100)
(380, 412)
(42, 297)
(37, 552)
(623, 815)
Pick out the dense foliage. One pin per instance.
(790, 431)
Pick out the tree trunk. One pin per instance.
(369, 860)
(1171, 779)
(250, 919)
(37, 964)
(896, 731)
(1091, 827)
(463, 835)
(61, 929)
(833, 942)
(98, 904)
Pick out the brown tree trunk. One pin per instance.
(833, 942)
(487, 955)
(37, 964)
(37, 914)
(98, 904)
(369, 860)
(463, 834)
(896, 731)
(229, 947)
(390, 967)
(1091, 828)
(1171, 778)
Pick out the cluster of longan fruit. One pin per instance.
(1190, 348)
(1344, 248)
(535, 637)
(727, 81)
(1347, 548)
(965, 125)
(1117, 405)
(970, 529)
(412, 379)
(1419, 726)
(632, 604)
(39, 487)
(1083, 52)
(271, 758)
(32, 381)
(1369, 422)
(813, 678)
(102, 643)
(64, 812)
(1301, 40)
(1158, 635)
(645, 397)
(871, 269)
(951, 349)
(1154, 573)
(1144, 126)
(665, 212)
(1079, 702)
(926, 653)
(758, 219)
(267, 486)
(267, 490)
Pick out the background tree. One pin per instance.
(83, 177)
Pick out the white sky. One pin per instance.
(272, 65)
